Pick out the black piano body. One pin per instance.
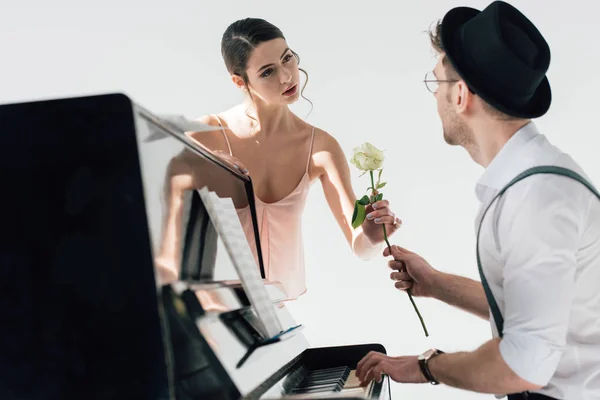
(89, 231)
(221, 320)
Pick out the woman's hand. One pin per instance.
(378, 214)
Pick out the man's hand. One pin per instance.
(412, 272)
(400, 369)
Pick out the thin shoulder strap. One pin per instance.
(543, 169)
(224, 134)
(312, 140)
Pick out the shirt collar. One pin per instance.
(508, 163)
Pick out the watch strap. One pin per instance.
(425, 368)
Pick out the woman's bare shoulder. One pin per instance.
(212, 139)
(326, 143)
(208, 119)
(327, 153)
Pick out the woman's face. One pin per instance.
(273, 74)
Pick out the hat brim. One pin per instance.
(453, 20)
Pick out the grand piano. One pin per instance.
(116, 284)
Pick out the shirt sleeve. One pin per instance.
(539, 230)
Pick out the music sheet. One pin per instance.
(226, 221)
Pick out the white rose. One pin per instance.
(367, 157)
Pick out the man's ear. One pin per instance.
(238, 81)
(463, 101)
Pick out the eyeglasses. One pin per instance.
(432, 84)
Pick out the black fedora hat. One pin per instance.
(501, 56)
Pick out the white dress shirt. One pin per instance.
(540, 252)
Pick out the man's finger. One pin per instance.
(366, 364)
(362, 362)
(382, 368)
(368, 377)
(403, 285)
(397, 265)
(376, 371)
(396, 252)
(404, 250)
(400, 276)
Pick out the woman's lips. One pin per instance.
(291, 91)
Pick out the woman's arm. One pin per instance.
(334, 172)
(178, 179)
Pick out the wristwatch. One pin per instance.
(423, 359)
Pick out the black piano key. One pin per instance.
(294, 379)
(323, 377)
(325, 374)
(330, 388)
(321, 383)
(312, 382)
(339, 368)
(327, 370)
(342, 373)
(324, 380)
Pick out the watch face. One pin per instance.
(427, 354)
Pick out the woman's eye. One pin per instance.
(287, 58)
(266, 73)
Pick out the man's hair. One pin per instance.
(435, 37)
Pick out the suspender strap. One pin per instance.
(545, 169)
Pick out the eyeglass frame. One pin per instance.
(425, 80)
(442, 80)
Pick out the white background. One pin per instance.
(366, 62)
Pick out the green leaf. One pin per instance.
(364, 200)
(379, 197)
(362, 174)
(355, 213)
(379, 176)
(359, 214)
(382, 184)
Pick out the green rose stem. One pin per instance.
(390, 250)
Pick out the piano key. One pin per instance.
(326, 389)
(352, 380)
(327, 378)
(356, 392)
(323, 380)
(330, 371)
(342, 373)
(338, 382)
(333, 369)
(330, 381)
(329, 384)
(320, 382)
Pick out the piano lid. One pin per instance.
(99, 191)
(183, 237)
(185, 243)
(79, 312)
